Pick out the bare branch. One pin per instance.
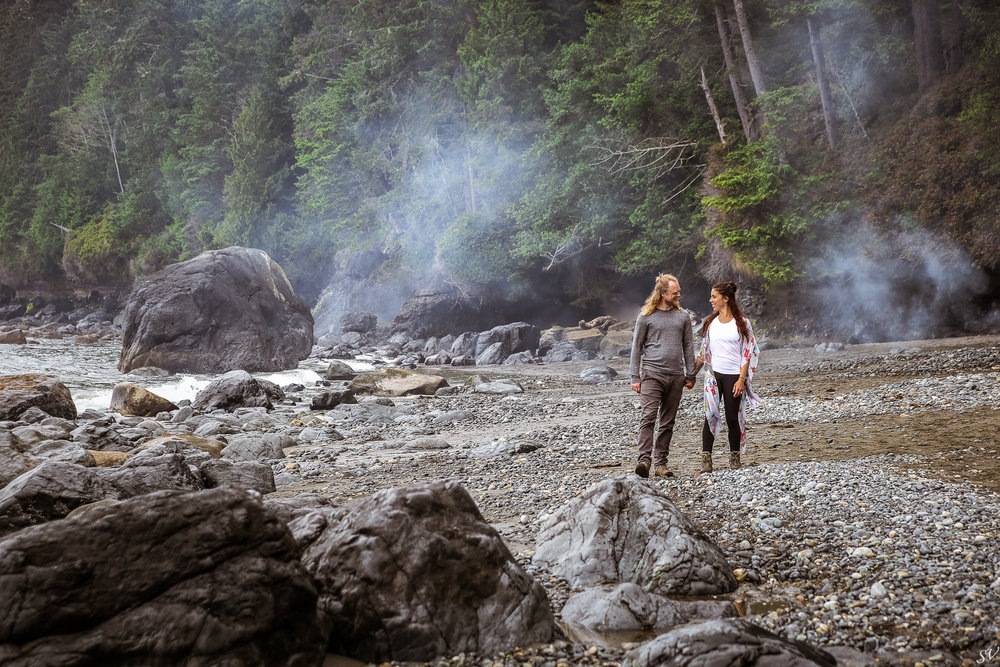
(658, 153)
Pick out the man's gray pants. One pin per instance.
(659, 395)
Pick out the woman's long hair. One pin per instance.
(662, 284)
(728, 290)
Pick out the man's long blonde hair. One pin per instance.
(662, 285)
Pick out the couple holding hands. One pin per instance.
(663, 364)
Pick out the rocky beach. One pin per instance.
(864, 521)
(866, 516)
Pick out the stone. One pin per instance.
(598, 374)
(628, 608)
(13, 460)
(338, 370)
(50, 491)
(327, 400)
(626, 530)
(47, 393)
(725, 642)
(396, 382)
(158, 468)
(585, 339)
(413, 573)
(240, 474)
(212, 447)
(130, 399)
(514, 337)
(237, 389)
(206, 577)
(225, 309)
(15, 337)
(263, 447)
(361, 322)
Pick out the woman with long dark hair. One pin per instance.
(729, 352)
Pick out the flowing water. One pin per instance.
(90, 372)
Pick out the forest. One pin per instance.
(500, 145)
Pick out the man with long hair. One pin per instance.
(662, 366)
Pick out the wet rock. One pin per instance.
(237, 389)
(158, 468)
(50, 491)
(249, 475)
(415, 572)
(206, 577)
(13, 460)
(338, 370)
(15, 337)
(327, 400)
(626, 530)
(47, 393)
(512, 338)
(130, 399)
(725, 642)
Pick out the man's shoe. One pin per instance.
(642, 468)
(734, 460)
(662, 471)
(706, 461)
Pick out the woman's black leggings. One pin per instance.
(731, 408)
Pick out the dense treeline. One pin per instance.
(492, 141)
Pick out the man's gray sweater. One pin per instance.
(663, 343)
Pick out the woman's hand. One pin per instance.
(739, 387)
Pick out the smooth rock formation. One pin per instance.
(415, 572)
(20, 392)
(222, 310)
(170, 578)
(396, 382)
(725, 642)
(130, 399)
(50, 491)
(628, 608)
(626, 530)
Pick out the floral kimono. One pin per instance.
(713, 412)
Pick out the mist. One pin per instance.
(880, 286)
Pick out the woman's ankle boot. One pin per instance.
(706, 461)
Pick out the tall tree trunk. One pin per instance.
(751, 129)
(752, 62)
(471, 174)
(711, 106)
(824, 84)
(927, 41)
(956, 35)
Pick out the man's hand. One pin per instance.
(689, 384)
(635, 387)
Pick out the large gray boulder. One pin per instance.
(169, 578)
(415, 572)
(237, 389)
(20, 392)
(222, 310)
(626, 530)
(725, 642)
(514, 337)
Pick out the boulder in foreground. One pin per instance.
(627, 530)
(222, 310)
(208, 577)
(413, 573)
